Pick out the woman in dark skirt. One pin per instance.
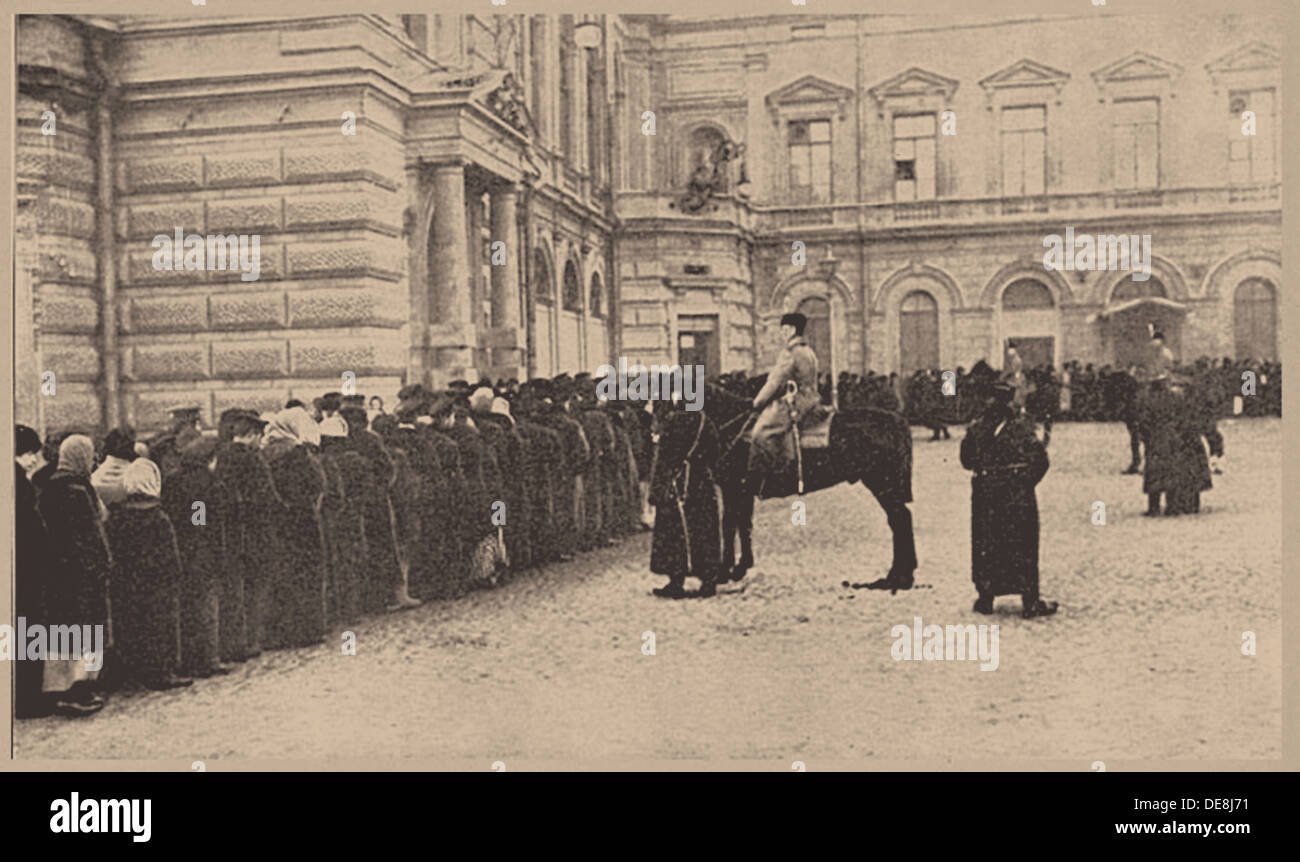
(297, 559)
(687, 535)
(147, 579)
(76, 589)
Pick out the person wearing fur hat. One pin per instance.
(1008, 461)
(772, 449)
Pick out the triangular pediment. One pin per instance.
(914, 82)
(1251, 57)
(809, 88)
(1138, 66)
(1025, 73)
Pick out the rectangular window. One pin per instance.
(1136, 128)
(1024, 151)
(914, 158)
(1251, 157)
(809, 144)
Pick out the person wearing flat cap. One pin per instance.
(772, 449)
(1008, 461)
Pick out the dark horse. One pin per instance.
(867, 445)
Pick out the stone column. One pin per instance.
(505, 279)
(450, 264)
(451, 333)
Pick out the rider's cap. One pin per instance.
(795, 319)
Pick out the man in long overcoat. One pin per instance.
(1008, 461)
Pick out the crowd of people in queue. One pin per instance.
(200, 549)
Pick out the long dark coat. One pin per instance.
(31, 568)
(297, 557)
(507, 448)
(575, 461)
(598, 485)
(382, 571)
(146, 589)
(345, 527)
(203, 556)
(687, 535)
(1008, 463)
(447, 522)
(1172, 423)
(253, 510)
(543, 459)
(76, 588)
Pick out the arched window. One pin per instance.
(572, 290)
(1130, 289)
(596, 305)
(818, 331)
(1254, 317)
(1025, 294)
(918, 332)
(700, 146)
(542, 289)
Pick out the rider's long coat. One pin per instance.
(685, 499)
(773, 445)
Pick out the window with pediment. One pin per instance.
(1251, 136)
(915, 161)
(1024, 150)
(806, 113)
(809, 146)
(1136, 134)
(1135, 89)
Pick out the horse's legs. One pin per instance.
(745, 519)
(729, 515)
(900, 524)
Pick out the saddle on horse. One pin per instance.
(781, 473)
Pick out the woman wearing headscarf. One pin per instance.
(76, 589)
(297, 558)
(119, 452)
(146, 589)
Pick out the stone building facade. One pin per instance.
(918, 165)
(443, 197)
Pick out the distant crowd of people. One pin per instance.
(203, 547)
(1073, 393)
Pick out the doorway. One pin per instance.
(697, 343)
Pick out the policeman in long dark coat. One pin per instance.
(687, 537)
(1008, 462)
